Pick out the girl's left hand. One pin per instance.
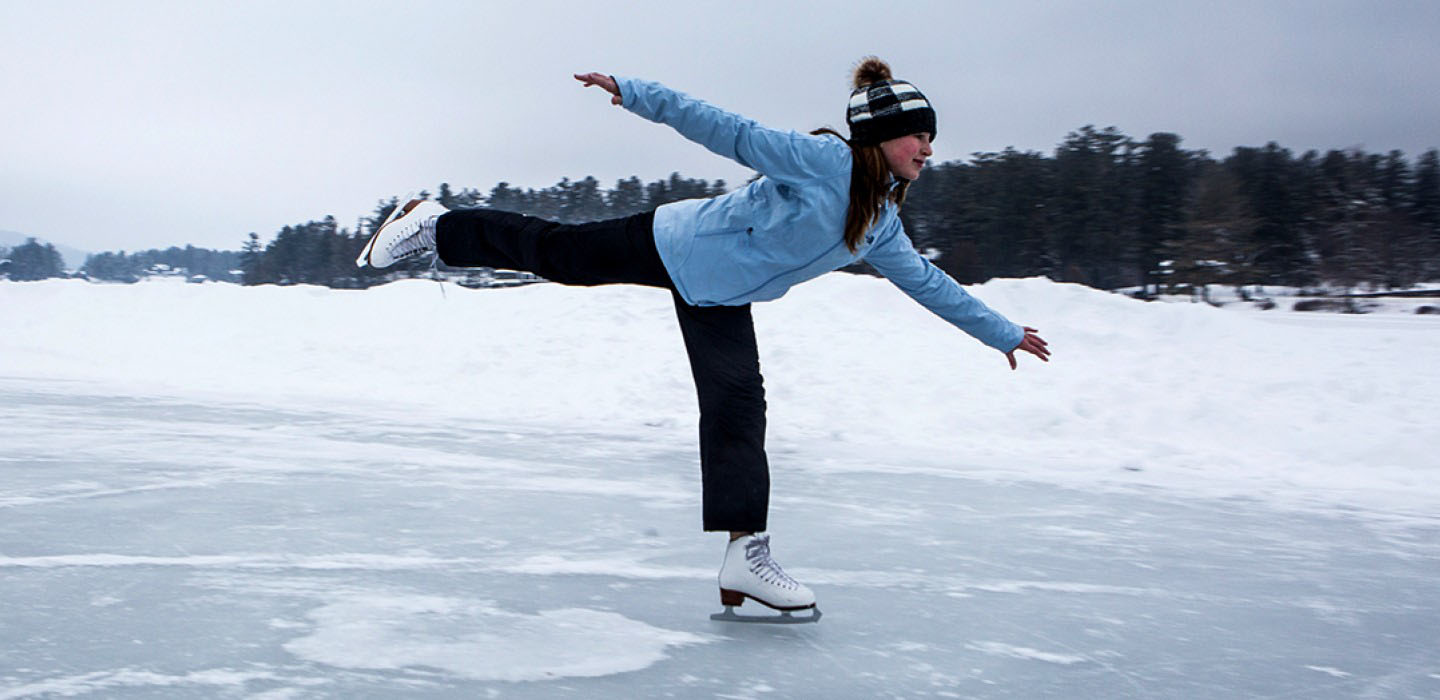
(605, 82)
(1032, 344)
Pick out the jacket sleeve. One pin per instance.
(895, 257)
(786, 156)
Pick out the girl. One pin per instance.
(821, 203)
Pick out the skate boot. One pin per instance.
(408, 231)
(749, 572)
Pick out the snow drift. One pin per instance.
(1305, 412)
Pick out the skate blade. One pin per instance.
(784, 618)
(395, 213)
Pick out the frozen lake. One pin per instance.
(167, 548)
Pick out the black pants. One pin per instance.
(720, 340)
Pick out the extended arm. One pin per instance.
(787, 156)
(896, 258)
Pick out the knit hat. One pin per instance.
(882, 108)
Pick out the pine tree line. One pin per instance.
(190, 261)
(1111, 212)
(1103, 209)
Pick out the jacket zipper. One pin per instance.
(726, 232)
(777, 276)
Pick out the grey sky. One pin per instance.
(147, 124)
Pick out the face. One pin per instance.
(906, 155)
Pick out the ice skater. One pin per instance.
(822, 202)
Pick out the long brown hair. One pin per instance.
(869, 188)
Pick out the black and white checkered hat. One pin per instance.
(888, 109)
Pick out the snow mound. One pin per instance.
(1289, 407)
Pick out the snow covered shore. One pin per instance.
(1299, 410)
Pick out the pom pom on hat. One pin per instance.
(871, 70)
(882, 108)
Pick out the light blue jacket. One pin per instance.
(787, 227)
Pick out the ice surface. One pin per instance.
(212, 491)
(461, 560)
(1002, 649)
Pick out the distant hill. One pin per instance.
(74, 257)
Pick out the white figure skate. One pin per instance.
(403, 235)
(749, 572)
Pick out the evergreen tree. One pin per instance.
(1403, 242)
(1218, 226)
(1425, 213)
(657, 194)
(464, 199)
(627, 198)
(1351, 218)
(1091, 216)
(112, 267)
(583, 202)
(31, 261)
(505, 198)
(1268, 176)
(1025, 184)
(1164, 177)
(675, 189)
(251, 254)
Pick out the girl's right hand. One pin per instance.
(1033, 344)
(604, 81)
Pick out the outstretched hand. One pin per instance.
(1032, 344)
(603, 81)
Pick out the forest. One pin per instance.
(1103, 209)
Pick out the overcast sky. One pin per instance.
(139, 124)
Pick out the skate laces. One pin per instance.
(412, 243)
(757, 555)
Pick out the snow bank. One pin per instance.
(1328, 410)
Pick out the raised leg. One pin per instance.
(616, 251)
